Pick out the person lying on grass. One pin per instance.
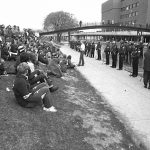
(30, 97)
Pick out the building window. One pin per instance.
(127, 8)
(136, 13)
(137, 4)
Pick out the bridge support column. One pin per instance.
(69, 37)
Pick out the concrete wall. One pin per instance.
(148, 12)
(111, 10)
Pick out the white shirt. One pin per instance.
(82, 47)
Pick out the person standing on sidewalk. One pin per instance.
(121, 56)
(82, 50)
(107, 53)
(98, 48)
(114, 53)
(146, 67)
(135, 61)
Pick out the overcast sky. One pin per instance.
(31, 13)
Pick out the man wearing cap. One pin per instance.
(135, 61)
(27, 97)
(107, 53)
(114, 52)
(121, 55)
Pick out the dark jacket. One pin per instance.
(21, 88)
(146, 66)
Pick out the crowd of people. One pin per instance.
(122, 52)
(36, 60)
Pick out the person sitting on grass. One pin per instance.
(30, 97)
(70, 65)
(63, 64)
(35, 76)
(2, 67)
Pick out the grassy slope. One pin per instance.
(83, 121)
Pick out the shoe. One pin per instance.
(145, 86)
(134, 75)
(149, 87)
(119, 69)
(51, 109)
(53, 88)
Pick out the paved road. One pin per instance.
(125, 94)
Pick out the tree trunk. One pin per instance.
(59, 37)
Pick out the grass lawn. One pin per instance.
(83, 120)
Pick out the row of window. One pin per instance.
(130, 6)
(132, 22)
(133, 14)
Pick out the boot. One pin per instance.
(53, 88)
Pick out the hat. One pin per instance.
(22, 68)
(21, 49)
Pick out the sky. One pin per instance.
(31, 13)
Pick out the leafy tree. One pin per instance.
(59, 20)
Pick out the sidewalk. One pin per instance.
(127, 95)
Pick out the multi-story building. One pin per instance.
(126, 12)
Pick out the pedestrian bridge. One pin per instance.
(139, 29)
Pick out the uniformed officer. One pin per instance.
(135, 61)
(114, 52)
(107, 53)
(98, 48)
(121, 56)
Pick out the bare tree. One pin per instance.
(59, 20)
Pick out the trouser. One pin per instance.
(92, 53)
(135, 67)
(120, 62)
(41, 96)
(81, 60)
(107, 59)
(99, 54)
(114, 60)
(146, 77)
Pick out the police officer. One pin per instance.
(135, 60)
(92, 49)
(107, 53)
(121, 56)
(114, 52)
(98, 48)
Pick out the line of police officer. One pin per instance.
(127, 52)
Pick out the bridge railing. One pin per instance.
(102, 23)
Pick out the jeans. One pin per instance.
(81, 60)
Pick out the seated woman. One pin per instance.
(63, 64)
(54, 68)
(70, 65)
(28, 97)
